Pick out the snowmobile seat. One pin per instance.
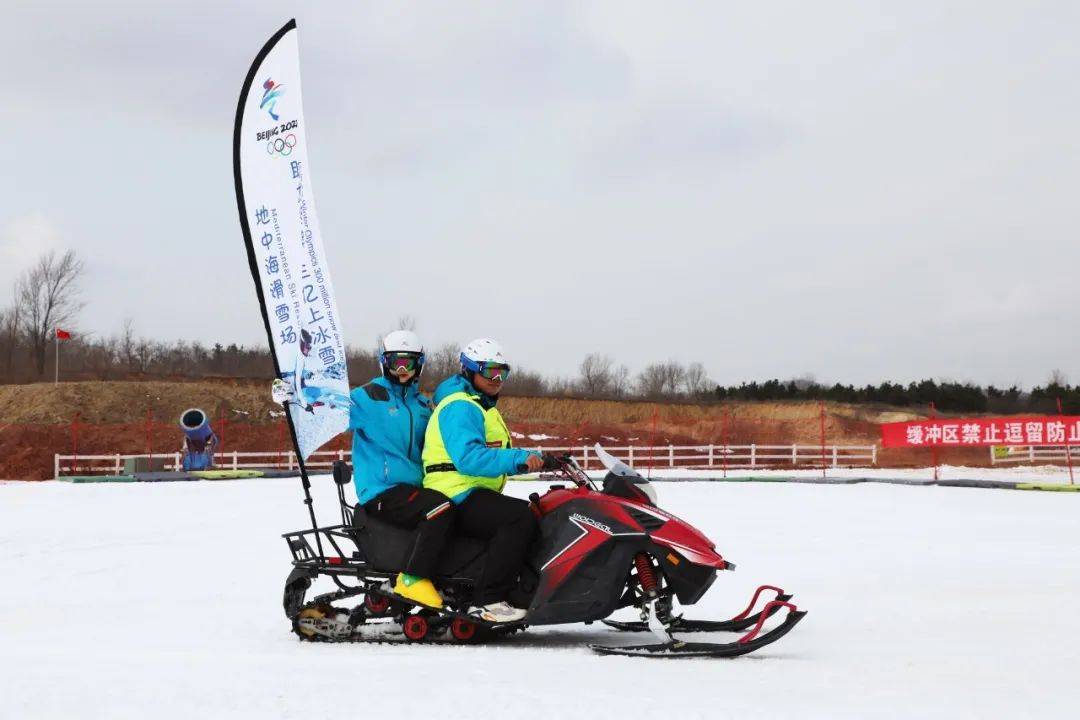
(386, 547)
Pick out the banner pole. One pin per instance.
(56, 369)
(304, 481)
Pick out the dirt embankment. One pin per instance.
(121, 402)
(36, 421)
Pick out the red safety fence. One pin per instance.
(817, 440)
(29, 451)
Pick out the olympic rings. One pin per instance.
(281, 145)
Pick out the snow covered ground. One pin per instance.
(164, 601)
(1055, 474)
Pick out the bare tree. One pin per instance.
(1058, 378)
(525, 382)
(361, 362)
(145, 352)
(696, 380)
(441, 363)
(661, 379)
(596, 374)
(126, 344)
(620, 381)
(9, 337)
(559, 387)
(674, 374)
(652, 380)
(406, 322)
(47, 297)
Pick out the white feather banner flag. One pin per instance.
(277, 213)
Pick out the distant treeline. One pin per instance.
(948, 397)
(46, 298)
(126, 356)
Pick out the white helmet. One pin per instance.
(402, 341)
(407, 343)
(480, 352)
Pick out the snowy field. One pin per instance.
(164, 601)
(1049, 474)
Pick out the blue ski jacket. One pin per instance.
(388, 421)
(461, 425)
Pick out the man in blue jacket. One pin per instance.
(467, 455)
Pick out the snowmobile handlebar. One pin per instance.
(551, 462)
(565, 467)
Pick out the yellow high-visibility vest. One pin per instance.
(442, 476)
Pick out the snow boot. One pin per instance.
(499, 612)
(419, 590)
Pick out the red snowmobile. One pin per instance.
(599, 550)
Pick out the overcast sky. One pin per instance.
(857, 191)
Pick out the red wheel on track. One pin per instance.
(376, 604)
(463, 630)
(415, 628)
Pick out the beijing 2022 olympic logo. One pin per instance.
(271, 92)
(282, 146)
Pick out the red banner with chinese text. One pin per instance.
(973, 432)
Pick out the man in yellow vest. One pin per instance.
(467, 456)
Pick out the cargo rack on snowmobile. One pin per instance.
(347, 562)
(305, 555)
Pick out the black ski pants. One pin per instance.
(508, 525)
(413, 507)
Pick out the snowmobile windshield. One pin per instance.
(617, 470)
(614, 464)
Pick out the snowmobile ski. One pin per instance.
(736, 624)
(677, 648)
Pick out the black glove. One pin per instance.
(551, 462)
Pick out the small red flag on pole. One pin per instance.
(59, 335)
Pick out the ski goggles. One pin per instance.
(410, 362)
(494, 371)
